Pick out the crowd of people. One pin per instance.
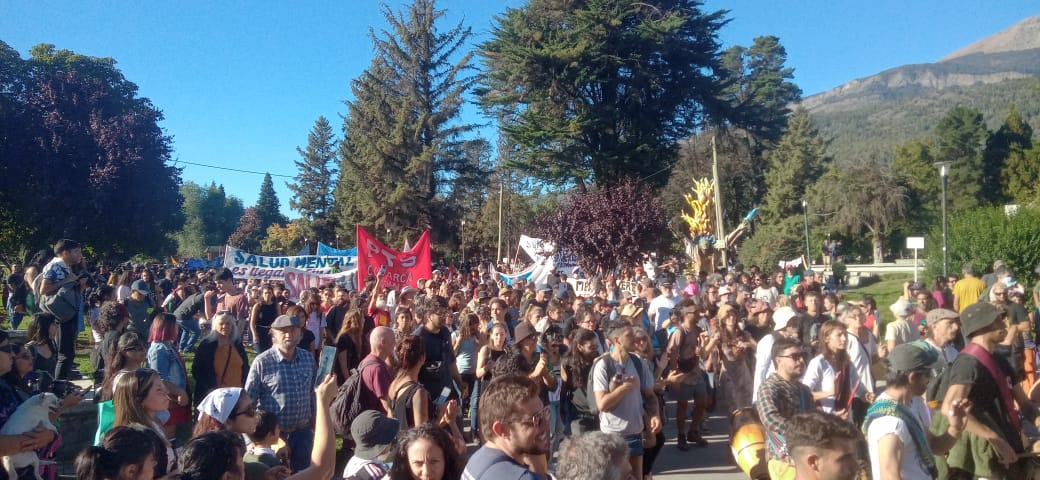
(545, 381)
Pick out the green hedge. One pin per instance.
(985, 234)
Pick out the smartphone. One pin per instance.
(382, 270)
(328, 356)
(445, 392)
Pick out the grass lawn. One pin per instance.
(885, 293)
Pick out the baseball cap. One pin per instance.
(782, 316)
(543, 287)
(373, 432)
(140, 287)
(911, 356)
(725, 290)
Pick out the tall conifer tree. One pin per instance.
(314, 184)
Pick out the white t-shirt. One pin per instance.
(768, 295)
(912, 468)
(860, 356)
(763, 363)
(661, 309)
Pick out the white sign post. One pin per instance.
(915, 243)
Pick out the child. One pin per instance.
(374, 435)
(263, 440)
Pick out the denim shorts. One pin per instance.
(635, 444)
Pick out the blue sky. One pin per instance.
(241, 83)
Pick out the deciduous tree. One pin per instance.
(608, 226)
(84, 156)
(247, 235)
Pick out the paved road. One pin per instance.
(712, 462)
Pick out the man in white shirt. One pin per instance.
(900, 444)
(785, 322)
(661, 306)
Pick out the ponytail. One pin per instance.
(95, 463)
(121, 446)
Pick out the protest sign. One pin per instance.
(247, 265)
(296, 280)
(402, 268)
(324, 250)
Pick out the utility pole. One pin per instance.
(719, 231)
(498, 257)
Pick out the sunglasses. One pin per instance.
(249, 411)
(539, 418)
(794, 356)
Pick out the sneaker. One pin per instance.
(681, 443)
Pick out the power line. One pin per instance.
(232, 169)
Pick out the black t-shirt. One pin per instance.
(436, 372)
(986, 405)
(334, 319)
(756, 331)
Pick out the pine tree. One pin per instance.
(402, 125)
(797, 161)
(268, 208)
(960, 136)
(1011, 174)
(313, 188)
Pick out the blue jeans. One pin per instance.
(189, 333)
(474, 399)
(555, 429)
(300, 443)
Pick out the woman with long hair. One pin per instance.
(314, 318)
(576, 368)
(426, 452)
(126, 277)
(409, 401)
(348, 344)
(164, 359)
(220, 359)
(466, 342)
(831, 375)
(488, 354)
(261, 317)
(941, 293)
(125, 453)
(140, 396)
(127, 354)
(308, 341)
(734, 347)
(98, 297)
(41, 332)
(21, 375)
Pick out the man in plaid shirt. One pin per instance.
(281, 380)
(781, 397)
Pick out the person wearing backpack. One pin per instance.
(623, 387)
(57, 275)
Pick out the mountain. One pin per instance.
(869, 116)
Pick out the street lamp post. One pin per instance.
(463, 235)
(805, 215)
(944, 173)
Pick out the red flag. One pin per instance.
(402, 268)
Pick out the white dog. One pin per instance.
(34, 412)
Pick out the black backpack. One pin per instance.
(346, 405)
